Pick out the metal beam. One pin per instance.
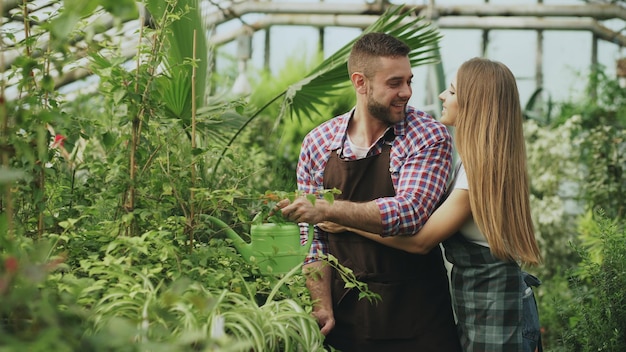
(597, 11)
(463, 22)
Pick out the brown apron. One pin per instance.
(415, 313)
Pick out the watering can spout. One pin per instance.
(242, 246)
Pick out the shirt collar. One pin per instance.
(399, 129)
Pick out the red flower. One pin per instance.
(58, 140)
(10, 264)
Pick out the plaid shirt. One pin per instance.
(420, 159)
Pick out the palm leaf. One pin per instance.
(176, 85)
(325, 80)
(219, 123)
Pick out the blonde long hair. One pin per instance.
(490, 142)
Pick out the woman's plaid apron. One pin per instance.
(486, 296)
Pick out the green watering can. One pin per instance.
(275, 247)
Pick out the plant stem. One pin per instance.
(281, 282)
(129, 205)
(6, 204)
(193, 147)
(232, 139)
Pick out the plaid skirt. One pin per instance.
(487, 297)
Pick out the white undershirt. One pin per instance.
(360, 152)
(469, 230)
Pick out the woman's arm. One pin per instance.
(443, 223)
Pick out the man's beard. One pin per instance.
(383, 113)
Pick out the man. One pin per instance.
(391, 163)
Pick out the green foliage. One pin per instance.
(285, 149)
(605, 157)
(554, 176)
(350, 280)
(584, 308)
(598, 322)
(576, 163)
(130, 284)
(583, 174)
(604, 103)
(183, 56)
(73, 11)
(146, 289)
(172, 285)
(30, 317)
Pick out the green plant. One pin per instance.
(350, 280)
(34, 314)
(267, 211)
(536, 110)
(569, 183)
(599, 299)
(555, 302)
(555, 174)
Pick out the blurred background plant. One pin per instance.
(577, 160)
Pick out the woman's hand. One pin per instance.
(332, 227)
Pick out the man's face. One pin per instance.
(390, 89)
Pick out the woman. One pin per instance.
(485, 223)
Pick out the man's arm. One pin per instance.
(364, 216)
(318, 282)
(421, 182)
(317, 273)
(443, 223)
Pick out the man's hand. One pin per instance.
(332, 227)
(364, 216)
(318, 282)
(302, 210)
(325, 320)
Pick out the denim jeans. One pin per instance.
(531, 330)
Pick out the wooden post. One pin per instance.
(539, 57)
(322, 31)
(485, 41)
(621, 72)
(621, 68)
(594, 67)
(266, 56)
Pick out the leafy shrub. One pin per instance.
(598, 305)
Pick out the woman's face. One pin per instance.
(450, 106)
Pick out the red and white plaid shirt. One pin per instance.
(420, 162)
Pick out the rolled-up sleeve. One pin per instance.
(420, 166)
